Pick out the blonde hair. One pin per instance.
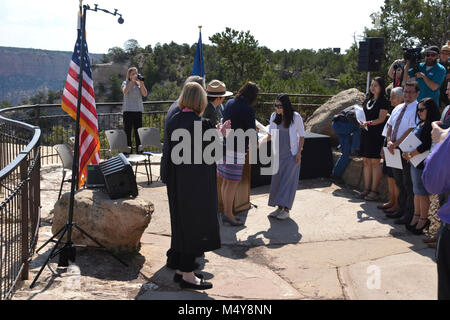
(193, 97)
(129, 72)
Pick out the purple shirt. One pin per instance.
(436, 175)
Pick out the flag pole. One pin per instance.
(76, 148)
(68, 251)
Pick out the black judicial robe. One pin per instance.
(192, 193)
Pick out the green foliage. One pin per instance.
(238, 56)
(116, 54)
(5, 104)
(115, 89)
(58, 133)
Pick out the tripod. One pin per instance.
(68, 250)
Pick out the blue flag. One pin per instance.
(199, 66)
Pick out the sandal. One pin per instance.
(372, 198)
(364, 194)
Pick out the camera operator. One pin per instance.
(133, 90)
(429, 74)
(396, 73)
(445, 61)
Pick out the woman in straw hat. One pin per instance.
(216, 93)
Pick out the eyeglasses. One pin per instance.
(421, 109)
(432, 55)
(278, 106)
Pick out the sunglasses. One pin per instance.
(278, 106)
(421, 109)
(432, 55)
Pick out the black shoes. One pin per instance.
(394, 215)
(202, 286)
(402, 220)
(178, 277)
(228, 221)
(420, 231)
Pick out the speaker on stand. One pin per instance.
(370, 56)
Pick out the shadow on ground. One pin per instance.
(370, 212)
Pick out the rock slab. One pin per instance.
(320, 121)
(116, 224)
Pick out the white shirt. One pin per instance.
(408, 121)
(296, 130)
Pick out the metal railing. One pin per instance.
(19, 201)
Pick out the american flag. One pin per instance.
(89, 139)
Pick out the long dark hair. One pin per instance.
(433, 113)
(248, 92)
(288, 113)
(382, 97)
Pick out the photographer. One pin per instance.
(133, 90)
(396, 73)
(429, 74)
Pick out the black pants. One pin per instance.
(132, 121)
(181, 261)
(405, 190)
(443, 263)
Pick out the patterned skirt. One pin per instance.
(232, 166)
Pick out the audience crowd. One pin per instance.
(418, 108)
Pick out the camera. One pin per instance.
(140, 77)
(413, 55)
(398, 66)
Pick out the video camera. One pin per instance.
(413, 55)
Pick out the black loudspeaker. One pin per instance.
(370, 54)
(94, 177)
(119, 177)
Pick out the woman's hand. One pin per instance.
(406, 156)
(438, 134)
(298, 157)
(225, 128)
(391, 147)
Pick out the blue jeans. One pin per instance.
(344, 131)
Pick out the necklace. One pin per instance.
(370, 105)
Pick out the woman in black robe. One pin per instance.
(192, 193)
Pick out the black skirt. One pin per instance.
(372, 142)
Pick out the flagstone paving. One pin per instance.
(332, 247)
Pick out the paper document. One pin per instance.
(261, 128)
(410, 143)
(415, 161)
(393, 160)
(360, 115)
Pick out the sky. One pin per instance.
(276, 24)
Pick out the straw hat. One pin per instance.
(217, 88)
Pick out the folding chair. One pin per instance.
(117, 140)
(66, 155)
(150, 137)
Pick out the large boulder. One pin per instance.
(116, 224)
(320, 121)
